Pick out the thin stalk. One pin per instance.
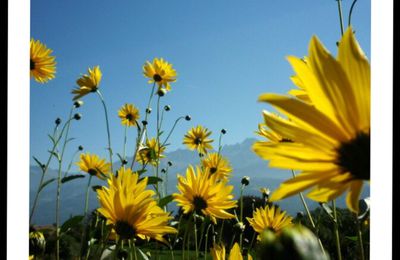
(232, 240)
(252, 240)
(310, 217)
(124, 148)
(340, 16)
(195, 235)
(70, 163)
(85, 211)
(351, 11)
(108, 127)
(158, 142)
(241, 214)
(45, 170)
(68, 123)
(202, 227)
(172, 129)
(360, 240)
(220, 231)
(336, 228)
(184, 241)
(206, 242)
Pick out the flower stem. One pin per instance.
(125, 139)
(158, 143)
(85, 212)
(172, 129)
(360, 240)
(351, 11)
(68, 123)
(310, 217)
(241, 214)
(195, 235)
(340, 16)
(336, 228)
(206, 241)
(108, 127)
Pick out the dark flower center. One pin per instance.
(213, 170)
(32, 65)
(94, 89)
(157, 78)
(92, 172)
(129, 117)
(197, 141)
(124, 230)
(199, 204)
(354, 156)
(286, 140)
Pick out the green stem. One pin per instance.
(195, 235)
(172, 129)
(310, 217)
(360, 240)
(336, 228)
(44, 170)
(124, 148)
(184, 241)
(108, 127)
(85, 212)
(206, 242)
(340, 16)
(70, 163)
(68, 123)
(241, 214)
(351, 11)
(158, 142)
(220, 231)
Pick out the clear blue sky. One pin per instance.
(226, 54)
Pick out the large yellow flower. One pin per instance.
(332, 136)
(160, 72)
(197, 138)
(92, 164)
(218, 253)
(270, 218)
(217, 165)
(200, 193)
(131, 209)
(129, 115)
(88, 83)
(42, 64)
(150, 152)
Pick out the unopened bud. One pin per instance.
(77, 116)
(161, 92)
(80, 148)
(78, 103)
(144, 122)
(58, 121)
(37, 243)
(167, 108)
(188, 118)
(239, 227)
(169, 163)
(223, 131)
(245, 180)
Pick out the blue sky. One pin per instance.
(226, 54)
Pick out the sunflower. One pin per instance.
(131, 209)
(129, 115)
(42, 64)
(269, 218)
(196, 138)
(160, 72)
(217, 165)
(218, 253)
(92, 164)
(299, 92)
(332, 136)
(150, 152)
(88, 83)
(200, 193)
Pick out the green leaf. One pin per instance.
(96, 187)
(152, 180)
(164, 201)
(52, 139)
(72, 177)
(142, 254)
(70, 139)
(38, 162)
(161, 132)
(44, 184)
(72, 222)
(140, 172)
(120, 158)
(55, 155)
(353, 238)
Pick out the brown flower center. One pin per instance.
(124, 230)
(354, 156)
(129, 117)
(92, 172)
(32, 64)
(197, 141)
(157, 78)
(199, 204)
(213, 170)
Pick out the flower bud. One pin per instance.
(245, 180)
(144, 122)
(163, 170)
(148, 110)
(80, 148)
(78, 103)
(124, 162)
(77, 116)
(239, 227)
(167, 108)
(161, 92)
(188, 118)
(169, 163)
(58, 121)
(223, 131)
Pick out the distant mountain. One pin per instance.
(243, 160)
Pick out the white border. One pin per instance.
(381, 129)
(18, 130)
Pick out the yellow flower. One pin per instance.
(150, 152)
(196, 138)
(160, 72)
(300, 92)
(218, 253)
(217, 165)
(332, 136)
(92, 164)
(42, 64)
(269, 218)
(88, 83)
(129, 115)
(131, 209)
(200, 193)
